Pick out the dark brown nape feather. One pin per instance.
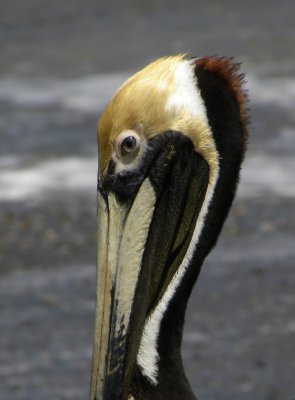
(228, 70)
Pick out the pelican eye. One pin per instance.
(127, 145)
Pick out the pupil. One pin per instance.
(129, 143)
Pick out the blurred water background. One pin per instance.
(59, 63)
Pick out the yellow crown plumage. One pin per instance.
(142, 100)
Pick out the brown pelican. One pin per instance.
(171, 143)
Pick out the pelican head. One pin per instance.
(171, 143)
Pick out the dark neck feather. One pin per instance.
(221, 90)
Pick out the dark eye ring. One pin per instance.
(127, 145)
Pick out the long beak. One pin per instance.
(122, 234)
(140, 246)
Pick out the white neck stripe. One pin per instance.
(148, 356)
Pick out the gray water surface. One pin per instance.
(60, 63)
